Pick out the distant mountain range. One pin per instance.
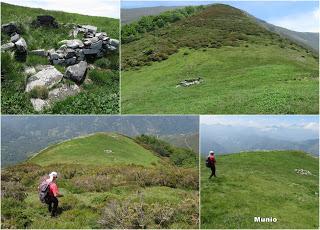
(133, 14)
(224, 140)
(23, 136)
(306, 39)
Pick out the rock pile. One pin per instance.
(189, 82)
(303, 172)
(10, 28)
(74, 51)
(16, 41)
(45, 83)
(45, 21)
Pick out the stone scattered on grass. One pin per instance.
(39, 52)
(10, 28)
(77, 72)
(47, 77)
(39, 104)
(189, 82)
(21, 45)
(54, 95)
(30, 70)
(45, 21)
(15, 37)
(303, 172)
(62, 92)
(7, 46)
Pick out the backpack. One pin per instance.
(208, 163)
(44, 189)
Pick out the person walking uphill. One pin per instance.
(211, 163)
(49, 193)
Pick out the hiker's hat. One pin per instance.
(53, 174)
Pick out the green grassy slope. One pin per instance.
(101, 96)
(261, 184)
(94, 150)
(131, 188)
(245, 68)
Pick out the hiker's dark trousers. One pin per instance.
(53, 205)
(213, 170)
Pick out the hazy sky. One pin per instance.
(267, 124)
(105, 8)
(295, 15)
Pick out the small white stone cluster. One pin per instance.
(189, 82)
(303, 172)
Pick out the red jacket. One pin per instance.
(212, 160)
(54, 191)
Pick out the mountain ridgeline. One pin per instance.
(24, 136)
(205, 26)
(108, 181)
(235, 65)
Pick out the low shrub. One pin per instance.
(39, 92)
(130, 214)
(163, 215)
(92, 183)
(13, 189)
(14, 214)
(104, 63)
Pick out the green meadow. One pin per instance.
(261, 184)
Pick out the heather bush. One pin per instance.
(13, 189)
(136, 214)
(92, 183)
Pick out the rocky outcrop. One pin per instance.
(45, 21)
(10, 28)
(77, 72)
(47, 77)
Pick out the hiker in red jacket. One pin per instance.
(52, 199)
(212, 163)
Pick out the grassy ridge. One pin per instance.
(260, 184)
(93, 150)
(95, 98)
(245, 68)
(129, 188)
(215, 26)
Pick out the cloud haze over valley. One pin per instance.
(230, 134)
